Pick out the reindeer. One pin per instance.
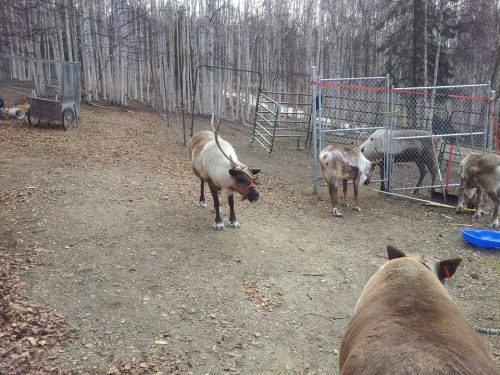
(214, 161)
(343, 163)
(480, 172)
(406, 323)
(419, 150)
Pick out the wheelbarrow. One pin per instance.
(52, 110)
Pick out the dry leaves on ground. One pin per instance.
(27, 332)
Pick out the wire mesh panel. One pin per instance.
(433, 129)
(57, 81)
(281, 115)
(348, 111)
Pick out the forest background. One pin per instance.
(148, 50)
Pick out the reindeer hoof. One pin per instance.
(218, 226)
(344, 204)
(234, 224)
(477, 214)
(336, 212)
(459, 209)
(202, 204)
(494, 224)
(356, 209)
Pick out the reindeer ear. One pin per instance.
(255, 171)
(446, 268)
(233, 172)
(394, 253)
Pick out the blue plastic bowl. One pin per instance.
(488, 239)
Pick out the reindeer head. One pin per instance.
(374, 147)
(371, 169)
(244, 182)
(243, 177)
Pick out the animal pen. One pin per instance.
(239, 97)
(53, 87)
(453, 120)
(456, 119)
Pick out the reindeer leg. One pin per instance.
(494, 220)
(479, 197)
(202, 202)
(344, 191)
(355, 184)
(232, 217)
(332, 187)
(381, 166)
(461, 200)
(218, 224)
(433, 170)
(421, 169)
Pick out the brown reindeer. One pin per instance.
(405, 323)
(214, 161)
(480, 172)
(340, 163)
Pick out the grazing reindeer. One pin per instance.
(405, 323)
(480, 172)
(215, 162)
(343, 163)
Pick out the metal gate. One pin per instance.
(281, 115)
(428, 130)
(235, 97)
(456, 118)
(347, 110)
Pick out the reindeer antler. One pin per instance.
(216, 131)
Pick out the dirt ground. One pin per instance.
(100, 231)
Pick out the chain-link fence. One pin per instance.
(418, 136)
(53, 81)
(348, 110)
(433, 129)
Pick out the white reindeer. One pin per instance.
(215, 162)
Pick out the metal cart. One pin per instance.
(56, 96)
(55, 110)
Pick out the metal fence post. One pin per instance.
(314, 131)
(489, 133)
(389, 152)
(491, 110)
(387, 124)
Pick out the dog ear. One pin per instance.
(255, 171)
(446, 268)
(394, 253)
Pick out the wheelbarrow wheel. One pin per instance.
(32, 120)
(68, 118)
